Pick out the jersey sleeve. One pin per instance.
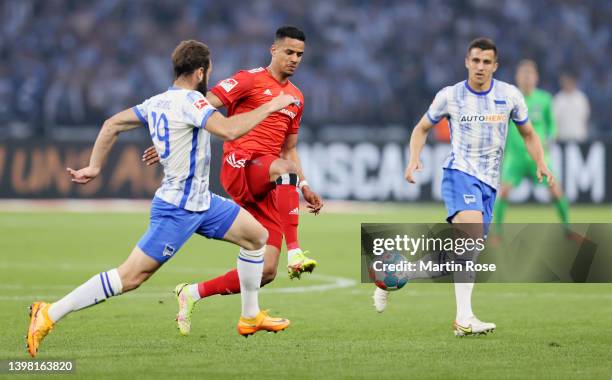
(297, 120)
(142, 111)
(519, 114)
(439, 107)
(196, 109)
(234, 88)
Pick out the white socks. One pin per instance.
(97, 289)
(193, 291)
(463, 296)
(250, 268)
(292, 252)
(464, 285)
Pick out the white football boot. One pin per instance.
(472, 326)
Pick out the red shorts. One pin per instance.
(247, 181)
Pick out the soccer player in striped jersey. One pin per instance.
(261, 171)
(180, 122)
(478, 110)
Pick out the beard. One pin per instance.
(202, 87)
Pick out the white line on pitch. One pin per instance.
(333, 282)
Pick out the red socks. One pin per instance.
(288, 201)
(228, 283)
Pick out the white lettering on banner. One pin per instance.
(371, 172)
(423, 176)
(314, 159)
(391, 182)
(337, 168)
(366, 159)
(588, 174)
(439, 156)
(542, 193)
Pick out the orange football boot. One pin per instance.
(262, 321)
(40, 325)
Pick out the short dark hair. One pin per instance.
(482, 43)
(189, 56)
(290, 32)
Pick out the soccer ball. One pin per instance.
(388, 279)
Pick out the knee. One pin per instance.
(268, 275)
(468, 217)
(257, 240)
(286, 167)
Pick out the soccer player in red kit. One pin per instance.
(261, 171)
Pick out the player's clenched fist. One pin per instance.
(410, 169)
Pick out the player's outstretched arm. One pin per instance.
(230, 128)
(417, 141)
(290, 152)
(120, 122)
(535, 150)
(218, 124)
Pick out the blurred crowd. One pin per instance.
(73, 63)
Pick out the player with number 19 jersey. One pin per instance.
(180, 122)
(176, 120)
(170, 118)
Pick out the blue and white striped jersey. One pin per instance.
(176, 120)
(479, 124)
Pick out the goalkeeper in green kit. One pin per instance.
(517, 163)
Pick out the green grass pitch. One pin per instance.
(544, 330)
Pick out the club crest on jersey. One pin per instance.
(168, 250)
(200, 103)
(469, 198)
(491, 118)
(228, 84)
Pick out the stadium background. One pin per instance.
(369, 73)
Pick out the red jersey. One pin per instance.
(247, 90)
